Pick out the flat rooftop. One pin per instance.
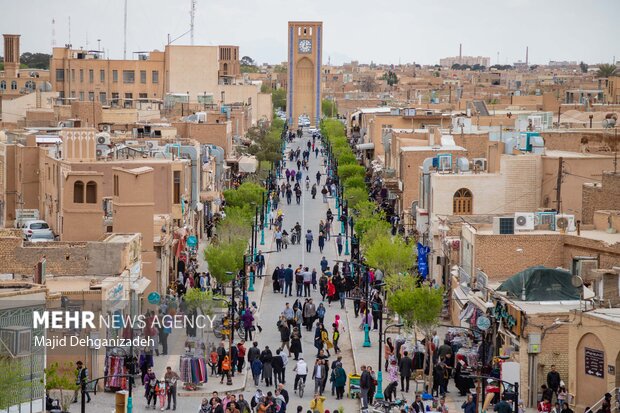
(596, 235)
(575, 155)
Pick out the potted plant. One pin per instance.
(60, 383)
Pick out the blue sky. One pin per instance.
(381, 31)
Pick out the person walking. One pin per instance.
(340, 379)
(288, 281)
(81, 377)
(309, 239)
(277, 235)
(257, 369)
(405, 368)
(339, 243)
(324, 193)
(313, 191)
(318, 374)
(365, 383)
(296, 343)
(553, 380)
(277, 363)
(321, 241)
(307, 281)
(171, 378)
(267, 357)
(149, 380)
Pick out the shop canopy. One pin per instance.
(541, 284)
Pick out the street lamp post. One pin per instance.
(262, 229)
(255, 234)
(382, 333)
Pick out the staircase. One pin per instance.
(615, 402)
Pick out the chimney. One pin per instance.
(460, 53)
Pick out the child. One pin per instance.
(335, 337)
(337, 322)
(160, 392)
(213, 361)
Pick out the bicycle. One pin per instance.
(300, 387)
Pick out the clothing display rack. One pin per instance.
(193, 369)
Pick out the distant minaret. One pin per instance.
(460, 53)
(527, 56)
(53, 33)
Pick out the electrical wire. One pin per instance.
(583, 177)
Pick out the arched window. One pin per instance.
(78, 192)
(462, 202)
(3, 85)
(30, 85)
(14, 85)
(91, 192)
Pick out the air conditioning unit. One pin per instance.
(545, 220)
(106, 128)
(564, 222)
(479, 164)
(152, 144)
(503, 225)
(15, 340)
(102, 152)
(524, 221)
(103, 138)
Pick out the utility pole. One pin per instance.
(192, 14)
(558, 189)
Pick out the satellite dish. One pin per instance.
(562, 223)
(576, 281)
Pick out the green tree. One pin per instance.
(278, 99)
(347, 158)
(390, 254)
(236, 225)
(196, 299)
(265, 88)
(419, 307)
(329, 108)
(348, 171)
(390, 77)
(354, 196)
(354, 182)
(62, 378)
(245, 194)
(584, 67)
(606, 70)
(35, 60)
(13, 382)
(279, 69)
(225, 258)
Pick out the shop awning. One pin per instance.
(248, 164)
(209, 196)
(365, 146)
(467, 312)
(140, 285)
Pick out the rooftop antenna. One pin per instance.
(53, 32)
(87, 40)
(125, 32)
(460, 53)
(192, 14)
(69, 29)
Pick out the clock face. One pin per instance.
(304, 46)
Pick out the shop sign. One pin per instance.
(115, 293)
(192, 241)
(154, 298)
(483, 323)
(502, 315)
(595, 362)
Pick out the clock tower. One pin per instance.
(305, 48)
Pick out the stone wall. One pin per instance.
(597, 196)
(63, 258)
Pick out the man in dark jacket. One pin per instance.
(288, 280)
(405, 368)
(553, 380)
(253, 353)
(365, 383)
(417, 405)
(278, 368)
